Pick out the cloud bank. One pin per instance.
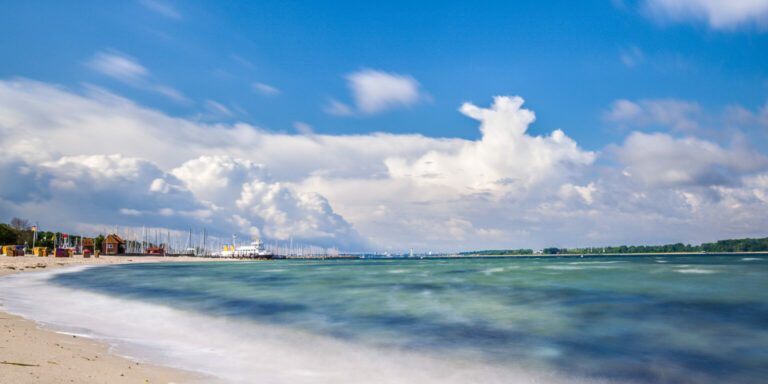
(93, 158)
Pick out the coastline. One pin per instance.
(31, 354)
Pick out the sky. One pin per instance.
(437, 126)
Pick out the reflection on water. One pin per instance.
(645, 319)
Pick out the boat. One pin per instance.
(255, 250)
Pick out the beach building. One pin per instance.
(155, 251)
(86, 244)
(111, 245)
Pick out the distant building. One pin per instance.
(111, 245)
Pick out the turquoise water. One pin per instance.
(700, 319)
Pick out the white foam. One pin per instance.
(750, 259)
(236, 351)
(575, 267)
(696, 271)
(599, 262)
(491, 271)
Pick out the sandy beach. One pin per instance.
(29, 354)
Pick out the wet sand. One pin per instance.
(29, 354)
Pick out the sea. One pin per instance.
(636, 319)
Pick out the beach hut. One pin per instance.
(111, 245)
(13, 250)
(61, 252)
(87, 245)
(40, 251)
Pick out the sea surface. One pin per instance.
(670, 319)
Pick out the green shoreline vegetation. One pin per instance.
(721, 246)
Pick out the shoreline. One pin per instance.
(29, 353)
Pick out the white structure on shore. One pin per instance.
(255, 249)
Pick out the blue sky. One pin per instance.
(609, 74)
(565, 58)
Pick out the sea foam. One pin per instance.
(236, 351)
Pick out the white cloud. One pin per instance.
(375, 91)
(507, 189)
(264, 207)
(217, 108)
(741, 116)
(161, 8)
(660, 159)
(219, 178)
(265, 89)
(120, 66)
(680, 115)
(303, 128)
(632, 56)
(718, 14)
(505, 160)
(128, 70)
(337, 108)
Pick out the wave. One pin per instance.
(237, 351)
(751, 259)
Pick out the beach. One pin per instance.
(29, 354)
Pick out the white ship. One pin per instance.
(254, 250)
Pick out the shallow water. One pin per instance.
(700, 319)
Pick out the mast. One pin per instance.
(205, 235)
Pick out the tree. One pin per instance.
(8, 235)
(97, 241)
(20, 224)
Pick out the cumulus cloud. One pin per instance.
(264, 207)
(505, 160)
(660, 159)
(717, 14)
(219, 178)
(102, 188)
(509, 188)
(377, 91)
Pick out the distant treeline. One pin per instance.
(734, 245)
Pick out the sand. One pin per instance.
(29, 354)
